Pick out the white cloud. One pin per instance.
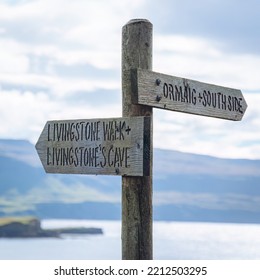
(216, 137)
(23, 114)
(202, 59)
(12, 58)
(68, 34)
(70, 27)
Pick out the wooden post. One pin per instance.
(136, 191)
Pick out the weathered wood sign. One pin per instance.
(116, 146)
(123, 146)
(187, 96)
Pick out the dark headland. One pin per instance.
(29, 227)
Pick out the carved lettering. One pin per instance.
(89, 157)
(94, 147)
(186, 94)
(179, 94)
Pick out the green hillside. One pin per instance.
(187, 187)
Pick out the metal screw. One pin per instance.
(158, 98)
(117, 171)
(158, 81)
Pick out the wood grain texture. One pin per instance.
(137, 243)
(97, 146)
(187, 96)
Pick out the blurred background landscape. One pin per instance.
(187, 187)
(61, 60)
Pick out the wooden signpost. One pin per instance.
(187, 96)
(96, 146)
(123, 146)
(137, 208)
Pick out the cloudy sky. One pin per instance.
(61, 59)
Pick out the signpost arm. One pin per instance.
(136, 191)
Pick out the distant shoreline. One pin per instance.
(30, 227)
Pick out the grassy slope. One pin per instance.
(23, 220)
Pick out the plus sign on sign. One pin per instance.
(116, 146)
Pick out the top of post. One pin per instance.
(137, 44)
(138, 20)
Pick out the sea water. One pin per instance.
(172, 241)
